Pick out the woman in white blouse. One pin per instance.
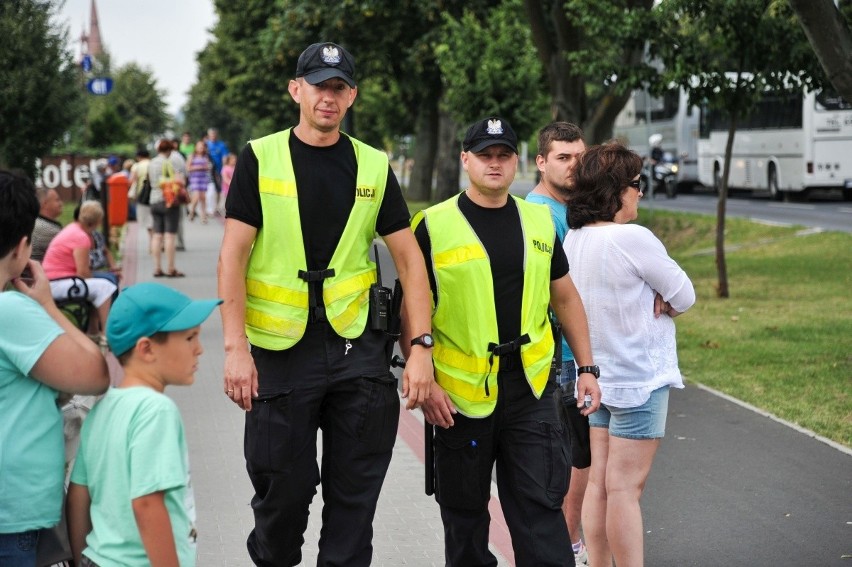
(631, 290)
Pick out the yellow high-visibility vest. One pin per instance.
(464, 321)
(276, 297)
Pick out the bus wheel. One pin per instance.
(717, 179)
(774, 193)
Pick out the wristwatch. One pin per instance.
(424, 340)
(589, 370)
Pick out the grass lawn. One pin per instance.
(67, 215)
(783, 340)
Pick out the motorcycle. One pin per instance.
(665, 176)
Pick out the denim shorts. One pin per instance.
(647, 421)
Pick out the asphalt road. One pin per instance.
(824, 209)
(731, 486)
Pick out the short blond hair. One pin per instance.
(91, 214)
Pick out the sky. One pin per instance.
(163, 36)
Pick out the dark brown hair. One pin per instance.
(557, 132)
(159, 338)
(600, 176)
(18, 209)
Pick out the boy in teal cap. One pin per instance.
(130, 500)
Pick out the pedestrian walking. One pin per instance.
(199, 167)
(495, 264)
(165, 171)
(296, 277)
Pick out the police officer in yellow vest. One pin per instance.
(494, 265)
(295, 274)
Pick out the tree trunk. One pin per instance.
(567, 95)
(721, 265)
(448, 161)
(425, 147)
(599, 126)
(831, 39)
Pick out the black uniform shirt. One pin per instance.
(500, 232)
(325, 183)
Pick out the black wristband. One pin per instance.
(594, 370)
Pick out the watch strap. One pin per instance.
(425, 340)
(594, 370)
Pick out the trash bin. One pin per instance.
(118, 185)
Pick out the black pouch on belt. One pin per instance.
(576, 425)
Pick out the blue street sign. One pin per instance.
(86, 63)
(99, 85)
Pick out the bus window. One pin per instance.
(828, 99)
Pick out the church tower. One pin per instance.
(91, 42)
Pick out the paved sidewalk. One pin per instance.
(407, 528)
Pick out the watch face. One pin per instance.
(425, 340)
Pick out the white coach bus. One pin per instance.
(671, 117)
(789, 144)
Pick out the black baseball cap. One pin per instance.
(323, 61)
(489, 132)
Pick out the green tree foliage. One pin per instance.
(592, 56)
(205, 110)
(246, 67)
(139, 103)
(490, 67)
(105, 127)
(394, 45)
(39, 86)
(256, 44)
(132, 113)
(726, 54)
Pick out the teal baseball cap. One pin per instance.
(145, 309)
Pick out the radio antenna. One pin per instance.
(378, 264)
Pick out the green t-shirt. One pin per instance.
(187, 149)
(32, 453)
(133, 444)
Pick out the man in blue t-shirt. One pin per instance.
(559, 145)
(216, 150)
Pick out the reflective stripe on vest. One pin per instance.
(464, 321)
(276, 297)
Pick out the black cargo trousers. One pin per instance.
(344, 388)
(526, 439)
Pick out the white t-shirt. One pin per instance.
(618, 269)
